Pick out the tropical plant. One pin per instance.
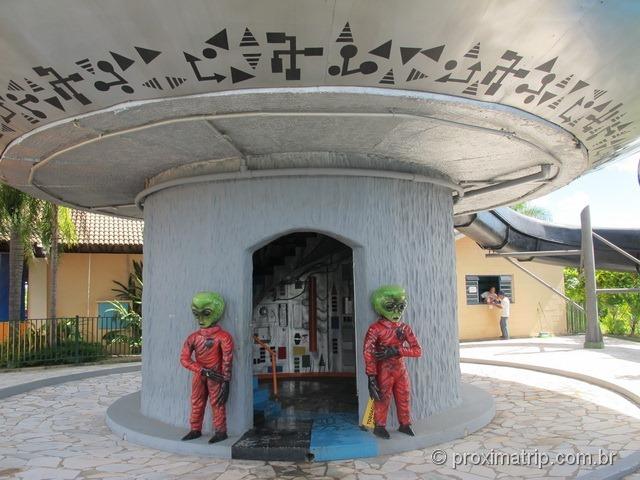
(618, 312)
(617, 319)
(19, 220)
(26, 220)
(132, 291)
(55, 224)
(129, 319)
(529, 210)
(129, 331)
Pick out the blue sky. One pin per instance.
(612, 192)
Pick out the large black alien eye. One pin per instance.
(389, 305)
(206, 312)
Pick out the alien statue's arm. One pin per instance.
(414, 349)
(185, 357)
(226, 344)
(370, 362)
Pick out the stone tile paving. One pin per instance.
(59, 432)
(10, 378)
(618, 362)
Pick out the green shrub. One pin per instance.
(617, 320)
(65, 352)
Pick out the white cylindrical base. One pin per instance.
(202, 236)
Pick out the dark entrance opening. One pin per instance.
(304, 328)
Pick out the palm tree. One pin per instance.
(55, 225)
(19, 218)
(529, 210)
(25, 220)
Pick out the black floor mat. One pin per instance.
(283, 440)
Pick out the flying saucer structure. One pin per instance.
(228, 124)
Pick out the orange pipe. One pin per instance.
(273, 355)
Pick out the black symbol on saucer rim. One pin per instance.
(248, 39)
(433, 53)
(14, 86)
(252, 59)
(474, 52)
(472, 89)
(388, 78)
(147, 54)
(407, 53)
(122, 61)
(153, 83)
(345, 35)
(383, 50)
(239, 76)
(415, 75)
(86, 65)
(175, 82)
(35, 88)
(220, 40)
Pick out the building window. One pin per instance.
(476, 285)
(109, 319)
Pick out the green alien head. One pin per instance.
(390, 302)
(207, 307)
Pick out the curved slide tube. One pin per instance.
(505, 230)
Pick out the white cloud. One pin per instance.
(566, 208)
(612, 192)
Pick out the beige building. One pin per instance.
(534, 308)
(107, 245)
(104, 252)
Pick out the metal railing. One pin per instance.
(51, 341)
(576, 319)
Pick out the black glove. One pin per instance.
(223, 394)
(212, 375)
(374, 389)
(386, 352)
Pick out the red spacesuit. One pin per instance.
(391, 373)
(213, 349)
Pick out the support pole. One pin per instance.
(593, 337)
(542, 282)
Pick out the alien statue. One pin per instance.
(211, 369)
(385, 346)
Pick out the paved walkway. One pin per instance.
(59, 432)
(617, 363)
(9, 378)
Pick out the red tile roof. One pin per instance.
(106, 233)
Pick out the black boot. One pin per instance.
(406, 429)
(218, 437)
(381, 432)
(193, 434)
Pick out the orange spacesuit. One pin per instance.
(213, 348)
(389, 338)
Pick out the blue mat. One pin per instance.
(337, 436)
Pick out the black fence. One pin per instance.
(51, 341)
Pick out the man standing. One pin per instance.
(505, 305)
(386, 343)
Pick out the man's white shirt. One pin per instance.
(506, 306)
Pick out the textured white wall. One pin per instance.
(201, 237)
